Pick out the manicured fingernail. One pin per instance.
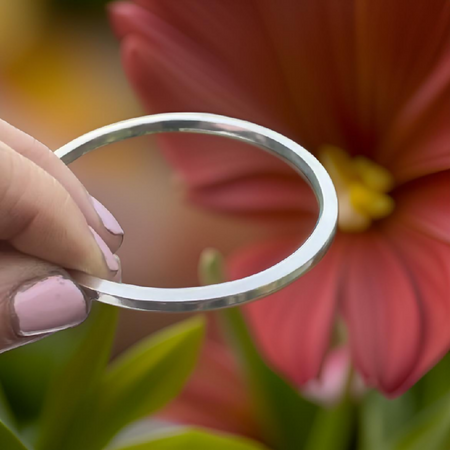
(110, 260)
(108, 220)
(48, 305)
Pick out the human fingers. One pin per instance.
(36, 299)
(97, 216)
(40, 218)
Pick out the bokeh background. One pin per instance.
(61, 76)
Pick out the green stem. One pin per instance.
(284, 418)
(334, 427)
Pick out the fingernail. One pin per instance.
(108, 220)
(48, 305)
(110, 260)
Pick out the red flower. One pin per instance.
(216, 396)
(363, 84)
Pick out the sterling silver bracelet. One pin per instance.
(232, 292)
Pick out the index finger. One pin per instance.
(97, 216)
(40, 218)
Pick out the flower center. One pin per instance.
(361, 185)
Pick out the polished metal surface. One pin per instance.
(233, 292)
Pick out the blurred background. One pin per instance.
(61, 76)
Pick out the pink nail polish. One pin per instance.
(108, 220)
(110, 260)
(49, 305)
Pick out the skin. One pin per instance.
(46, 217)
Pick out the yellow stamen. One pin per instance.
(368, 201)
(361, 186)
(373, 175)
(338, 163)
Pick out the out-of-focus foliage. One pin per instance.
(286, 419)
(193, 439)
(418, 419)
(80, 5)
(83, 402)
(16, 41)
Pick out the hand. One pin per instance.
(48, 223)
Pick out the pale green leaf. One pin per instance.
(333, 428)
(434, 384)
(26, 372)
(380, 418)
(67, 406)
(284, 417)
(9, 440)
(143, 380)
(194, 439)
(429, 430)
(6, 415)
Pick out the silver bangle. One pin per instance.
(233, 292)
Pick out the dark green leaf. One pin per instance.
(433, 385)
(6, 415)
(194, 439)
(381, 418)
(67, 407)
(143, 380)
(285, 418)
(25, 372)
(81, 6)
(429, 430)
(333, 428)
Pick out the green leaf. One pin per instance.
(381, 418)
(434, 384)
(81, 6)
(67, 407)
(26, 372)
(190, 439)
(9, 439)
(429, 430)
(143, 380)
(285, 418)
(6, 415)
(333, 428)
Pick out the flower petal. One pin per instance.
(382, 311)
(373, 72)
(427, 261)
(262, 194)
(215, 397)
(292, 326)
(398, 44)
(171, 72)
(284, 49)
(424, 204)
(319, 71)
(231, 32)
(330, 387)
(419, 142)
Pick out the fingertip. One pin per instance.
(114, 232)
(109, 261)
(48, 305)
(108, 220)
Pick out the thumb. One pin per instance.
(38, 217)
(36, 299)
